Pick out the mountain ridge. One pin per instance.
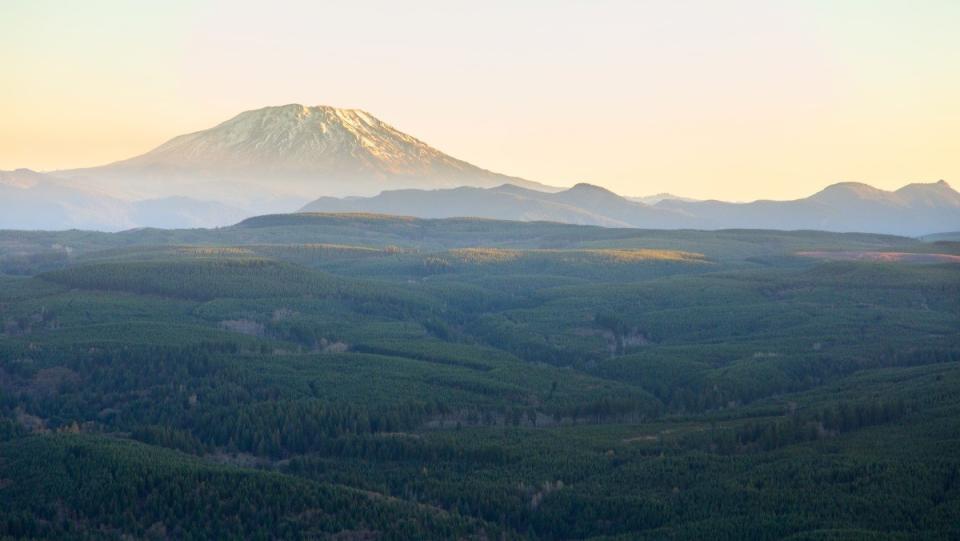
(841, 207)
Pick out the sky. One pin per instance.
(733, 100)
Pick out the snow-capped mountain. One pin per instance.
(291, 151)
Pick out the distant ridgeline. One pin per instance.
(362, 376)
(914, 210)
(278, 159)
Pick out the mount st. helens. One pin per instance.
(286, 153)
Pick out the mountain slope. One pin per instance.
(290, 151)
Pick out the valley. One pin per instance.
(479, 271)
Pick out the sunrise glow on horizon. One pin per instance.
(739, 100)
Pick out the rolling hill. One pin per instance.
(372, 377)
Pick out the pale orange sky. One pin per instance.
(732, 100)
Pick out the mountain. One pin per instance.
(493, 203)
(32, 200)
(916, 209)
(936, 195)
(583, 204)
(275, 156)
(602, 202)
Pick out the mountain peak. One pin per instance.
(303, 113)
(841, 191)
(935, 194)
(850, 186)
(585, 187)
(939, 185)
(298, 137)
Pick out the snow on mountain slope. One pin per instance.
(291, 150)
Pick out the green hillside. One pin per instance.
(372, 377)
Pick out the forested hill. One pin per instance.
(317, 376)
(380, 230)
